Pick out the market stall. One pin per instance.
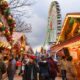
(19, 43)
(28, 50)
(70, 39)
(4, 48)
(7, 26)
(10, 41)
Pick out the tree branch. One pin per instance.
(18, 8)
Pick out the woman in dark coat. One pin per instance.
(2, 67)
(30, 71)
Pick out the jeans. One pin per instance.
(63, 72)
(11, 77)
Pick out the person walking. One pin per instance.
(2, 67)
(53, 68)
(71, 70)
(44, 69)
(11, 70)
(30, 69)
(63, 65)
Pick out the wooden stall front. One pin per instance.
(19, 43)
(70, 38)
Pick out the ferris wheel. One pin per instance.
(54, 24)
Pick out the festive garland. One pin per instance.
(71, 22)
(5, 11)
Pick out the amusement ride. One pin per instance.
(54, 24)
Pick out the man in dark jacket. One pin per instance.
(2, 67)
(44, 69)
(11, 68)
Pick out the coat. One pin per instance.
(30, 71)
(44, 70)
(71, 71)
(11, 68)
(53, 68)
(2, 69)
(43, 66)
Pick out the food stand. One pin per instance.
(70, 38)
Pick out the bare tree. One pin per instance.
(19, 9)
(22, 26)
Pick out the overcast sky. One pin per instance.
(39, 18)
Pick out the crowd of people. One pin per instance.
(7, 68)
(41, 68)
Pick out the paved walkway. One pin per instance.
(19, 78)
(58, 78)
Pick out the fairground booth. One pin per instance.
(69, 40)
(10, 41)
(19, 43)
(28, 50)
(4, 48)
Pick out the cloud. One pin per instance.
(39, 22)
(69, 6)
(41, 8)
(39, 26)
